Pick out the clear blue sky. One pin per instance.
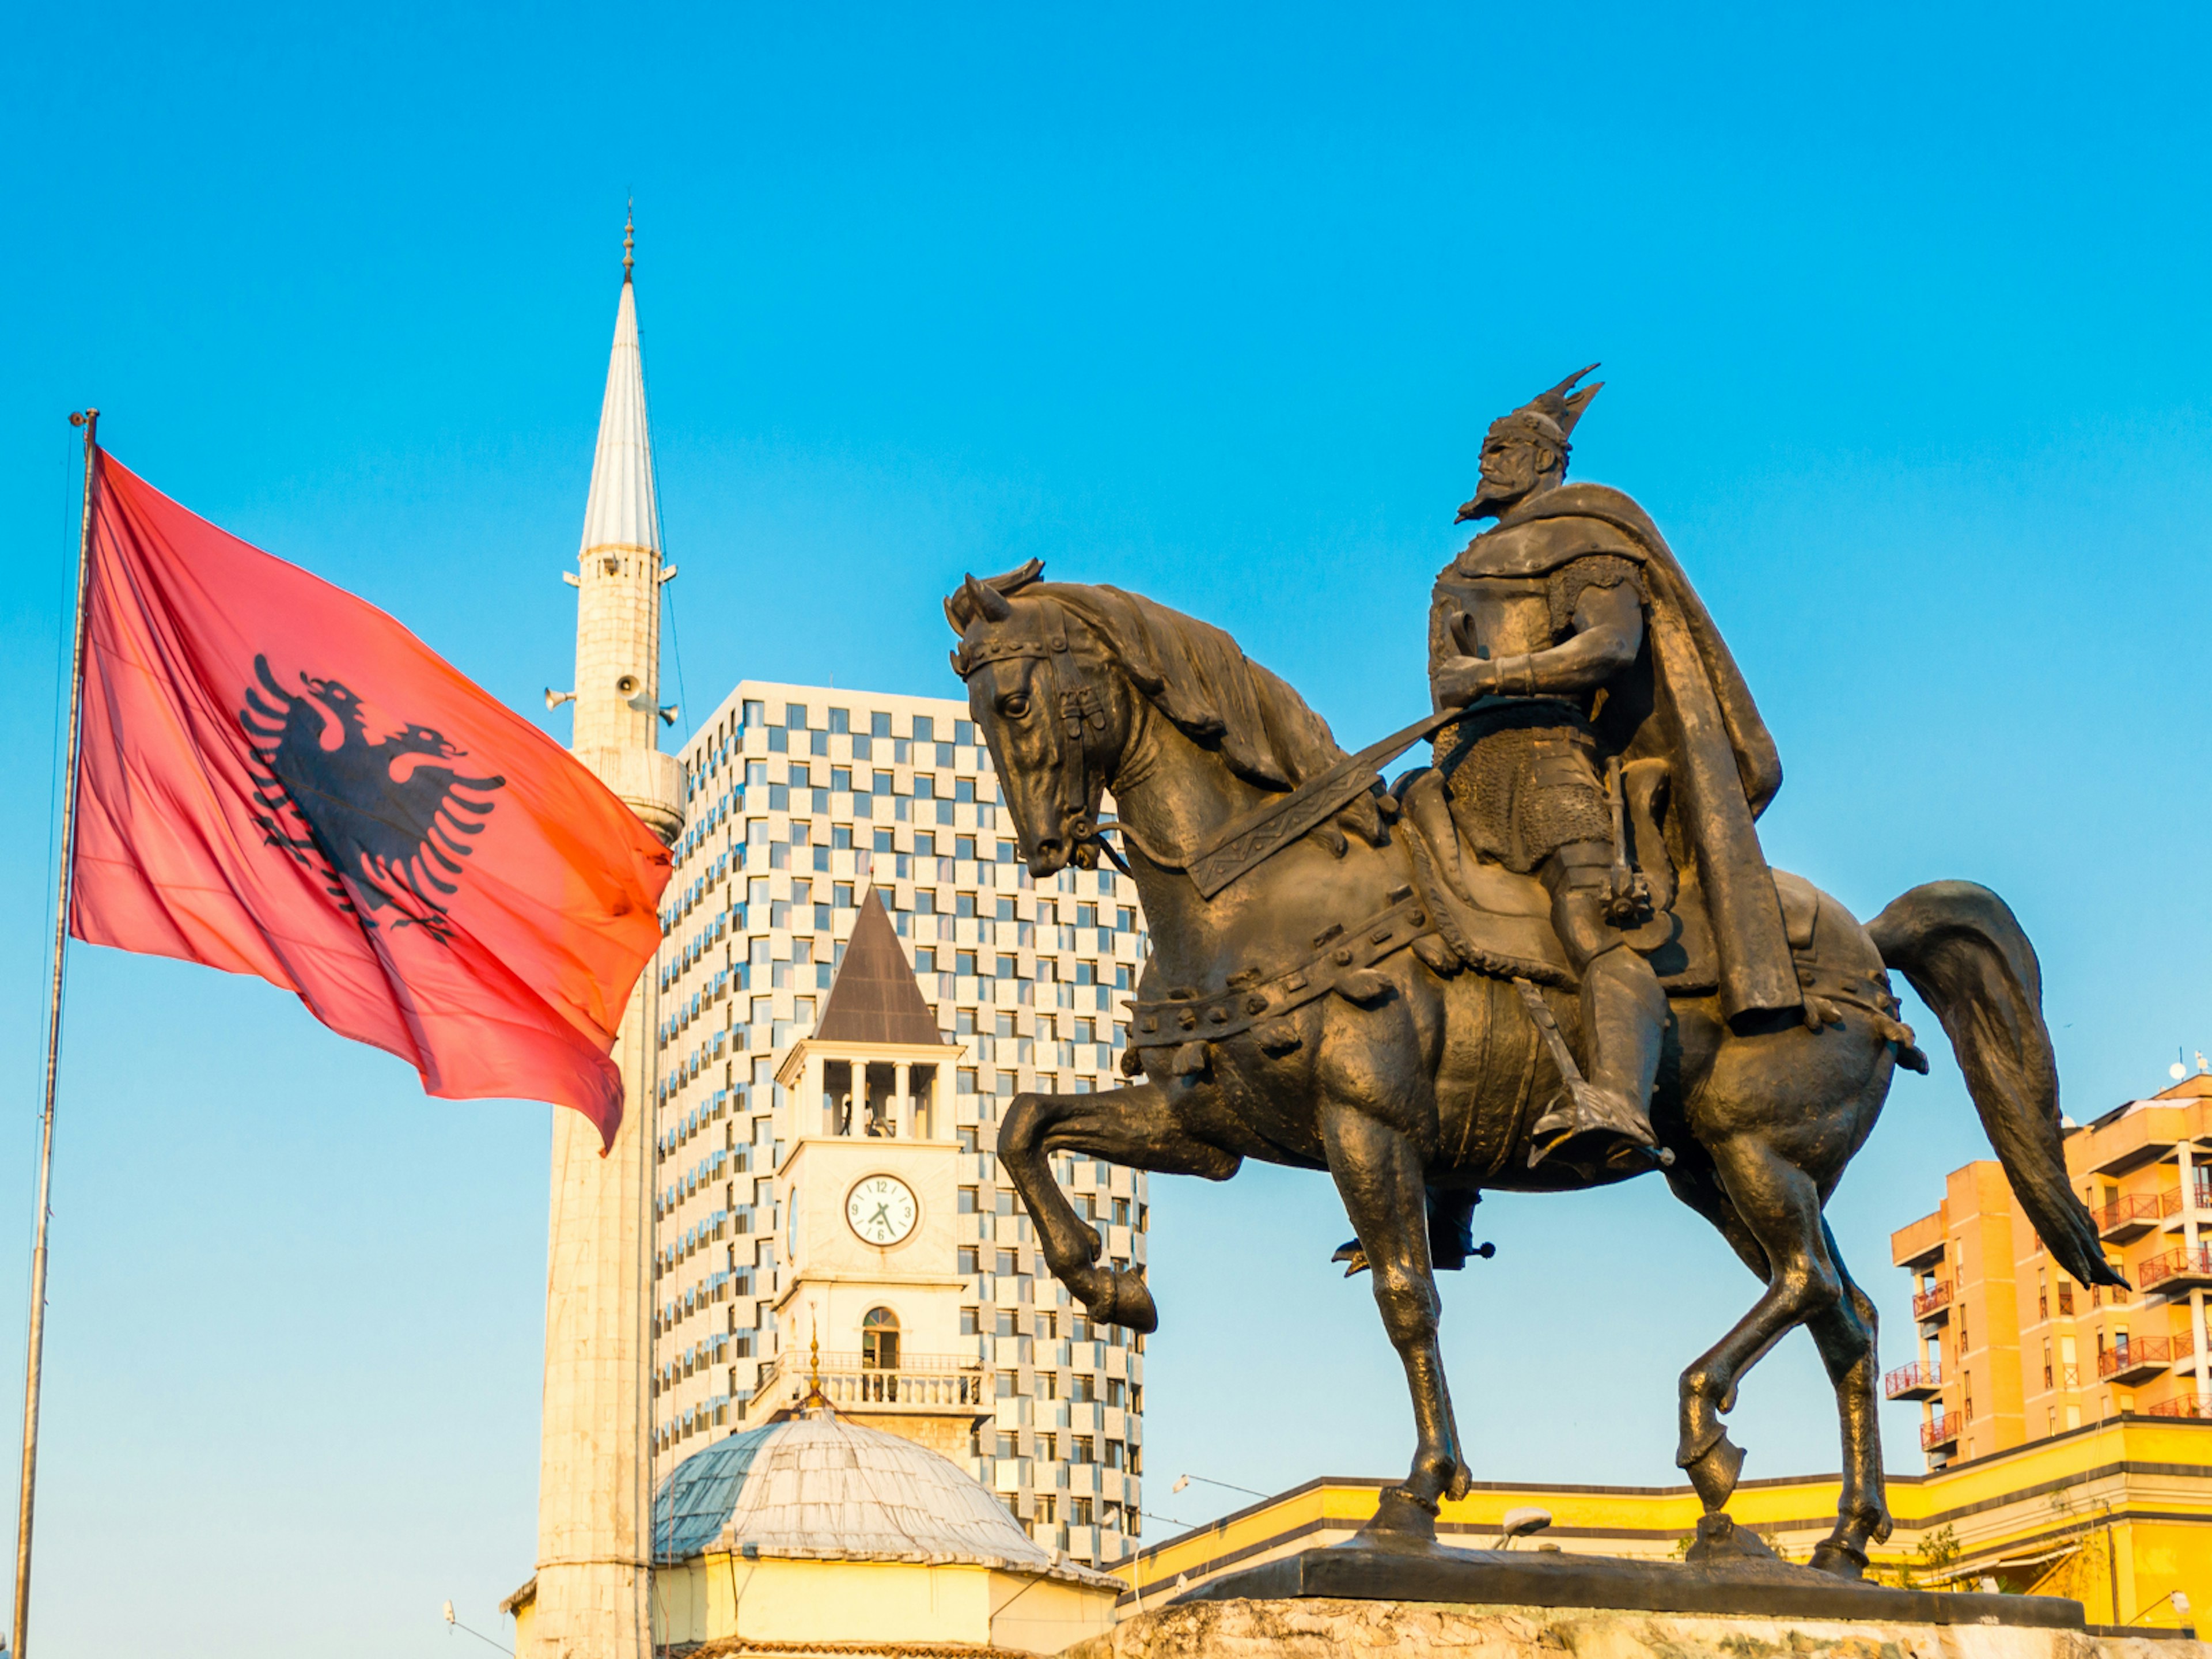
(1903, 315)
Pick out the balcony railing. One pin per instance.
(1940, 1431)
(2140, 1356)
(921, 1389)
(2187, 1405)
(2176, 1270)
(2169, 1200)
(1931, 1302)
(1914, 1382)
(920, 1382)
(2129, 1216)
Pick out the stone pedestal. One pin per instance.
(1740, 1582)
(1329, 1627)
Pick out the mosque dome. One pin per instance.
(818, 1488)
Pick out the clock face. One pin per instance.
(882, 1209)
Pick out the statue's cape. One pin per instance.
(1696, 712)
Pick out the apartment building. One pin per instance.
(2010, 1348)
(782, 1092)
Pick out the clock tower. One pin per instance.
(866, 1197)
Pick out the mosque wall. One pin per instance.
(771, 1600)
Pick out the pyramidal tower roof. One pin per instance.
(624, 508)
(875, 997)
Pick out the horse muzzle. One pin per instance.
(1052, 853)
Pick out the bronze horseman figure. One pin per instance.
(1555, 959)
(1538, 631)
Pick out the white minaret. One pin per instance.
(594, 1497)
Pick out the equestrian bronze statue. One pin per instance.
(1555, 958)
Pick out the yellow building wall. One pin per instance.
(1044, 1615)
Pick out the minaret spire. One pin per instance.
(618, 580)
(629, 241)
(594, 1489)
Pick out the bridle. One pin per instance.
(1081, 713)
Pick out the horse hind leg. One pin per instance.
(1779, 1207)
(1846, 1337)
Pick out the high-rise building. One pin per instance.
(2010, 1348)
(825, 1166)
(594, 1497)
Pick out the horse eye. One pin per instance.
(1015, 707)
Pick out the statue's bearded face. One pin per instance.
(1514, 462)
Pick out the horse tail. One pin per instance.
(1962, 949)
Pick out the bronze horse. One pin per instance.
(1415, 1081)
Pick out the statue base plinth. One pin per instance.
(1341, 1627)
(1364, 1570)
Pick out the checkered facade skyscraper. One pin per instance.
(799, 800)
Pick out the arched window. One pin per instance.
(879, 1340)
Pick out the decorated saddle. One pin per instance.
(1500, 923)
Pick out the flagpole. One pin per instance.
(35, 1346)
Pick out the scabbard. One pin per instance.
(1274, 825)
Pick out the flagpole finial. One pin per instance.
(629, 239)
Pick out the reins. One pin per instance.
(1238, 846)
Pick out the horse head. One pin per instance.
(1066, 679)
(1053, 714)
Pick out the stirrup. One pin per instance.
(1586, 1110)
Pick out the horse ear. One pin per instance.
(1014, 580)
(986, 601)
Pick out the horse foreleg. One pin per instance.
(1137, 1127)
(1846, 1336)
(1779, 1207)
(1379, 1173)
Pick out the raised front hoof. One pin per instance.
(1713, 1472)
(1401, 1519)
(1353, 1257)
(1117, 1296)
(1719, 1539)
(1838, 1560)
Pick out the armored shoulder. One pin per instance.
(1565, 585)
(1539, 546)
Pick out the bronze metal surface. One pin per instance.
(1326, 989)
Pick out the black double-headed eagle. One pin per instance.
(386, 823)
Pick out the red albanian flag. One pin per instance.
(278, 779)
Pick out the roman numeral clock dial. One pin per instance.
(882, 1211)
